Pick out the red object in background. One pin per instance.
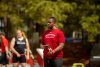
(10, 61)
(40, 60)
(30, 62)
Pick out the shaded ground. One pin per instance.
(76, 53)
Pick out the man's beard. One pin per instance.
(50, 27)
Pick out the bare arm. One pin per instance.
(8, 53)
(27, 48)
(61, 40)
(5, 42)
(32, 56)
(6, 49)
(60, 47)
(12, 46)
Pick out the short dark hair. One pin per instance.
(52, 19)
(2, 33)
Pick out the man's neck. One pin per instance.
(54, 27)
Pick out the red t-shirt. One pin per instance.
(4, 44)
(53, 38)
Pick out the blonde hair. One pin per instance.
(23, 33)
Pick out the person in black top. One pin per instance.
(18, 46)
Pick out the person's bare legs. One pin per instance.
(7, 65)
(15, 64)
(23, 64)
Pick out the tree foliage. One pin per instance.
(71, 14)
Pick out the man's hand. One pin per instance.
(51, 52)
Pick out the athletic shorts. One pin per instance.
(21, 59)
(3, 59)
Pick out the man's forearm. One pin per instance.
(60, 47)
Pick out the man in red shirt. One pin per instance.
(3, 50)
(53, 42)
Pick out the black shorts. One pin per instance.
(21, 59)
(3, 59)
